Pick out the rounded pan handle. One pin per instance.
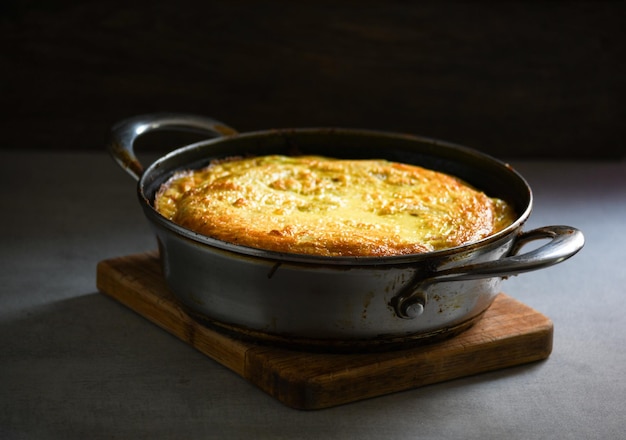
(125, 133)
(564, 242)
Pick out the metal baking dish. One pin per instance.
(330, 303)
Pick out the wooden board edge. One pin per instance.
(390, 372)
(311, 394)
(230, 353)
(331, 387)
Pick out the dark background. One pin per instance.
(513, 79)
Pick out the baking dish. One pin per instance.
(336, 303)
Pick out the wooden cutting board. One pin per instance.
(510, 333)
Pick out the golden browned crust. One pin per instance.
(331, 207)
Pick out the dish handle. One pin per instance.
(125, 133)
(563, 243)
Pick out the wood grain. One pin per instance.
(509, 334)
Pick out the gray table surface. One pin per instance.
(76, 364)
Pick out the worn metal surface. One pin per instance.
(338, 299)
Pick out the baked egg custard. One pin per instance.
(330, 207)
